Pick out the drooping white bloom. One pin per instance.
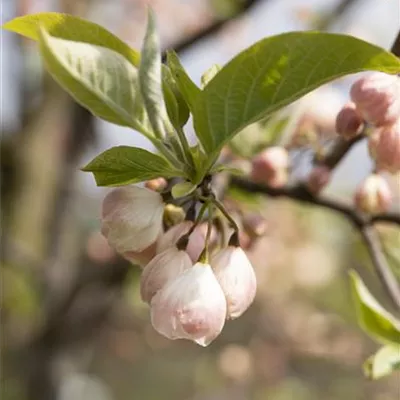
(196, 241)
(132, 218)
(236, 276)
(192, 306)
(162, 269)
(171, 237)
(141, 258)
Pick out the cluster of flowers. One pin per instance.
(376, 105)
(374, 110)
(189, 297)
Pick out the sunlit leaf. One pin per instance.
(177, 109)
(189, 90)
(98, 78)
(372, 317)
(182, 189)
(150, 78)
(72, 28)
(275, 72)
(384, 362)
(123, 165)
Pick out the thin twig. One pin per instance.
(362, 222)
(382, 268)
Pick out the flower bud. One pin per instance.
(236, 276)
(171, 237)
(156, 184)
(377, 97)
(388, 148)
(143, 257)
(196, 240)
(192, 306)
(254, 225)
(271, 167)
(318, 178)
(162, 269)
(373, 196)
(349, 122)
(173, 214)
(132, 218)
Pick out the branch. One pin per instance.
(211, 29)
(362, 222)
(382, 268)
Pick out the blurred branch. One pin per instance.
(362, 222)
(212, 29)
(396, 46)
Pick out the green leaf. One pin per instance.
(384, 362)
(199, 160)
(150, 78)
(209, 75)
(177, 109)
(189, 90)
(68, 27)
(372, 317)
(98, 78)
(236, 171)
(182, 189)
(275, 72)
(123, 165)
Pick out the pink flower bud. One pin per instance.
(349, 122)
(388, 148)
(377, 97)
(171, 237)
(156, 184)
(270, 166)
(196, 241)
(192, 306)
(236, 276)
(318, 178)
(161, 269)
(373, 195)
(132, 218)
(143, 257)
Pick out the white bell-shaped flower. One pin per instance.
(196, 241)
(161, 269)
(132, 218)
(171, 237)
(236, 276)
(192, 306)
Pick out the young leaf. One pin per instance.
(189, 90)
(372, 317)
(68, 27)
(182, 189)
(273, 73)
(177, 109)
(209, 75)
(123, 165)
(382, 363)
(98, 78)
(150, 78)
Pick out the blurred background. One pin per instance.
(72, 323)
